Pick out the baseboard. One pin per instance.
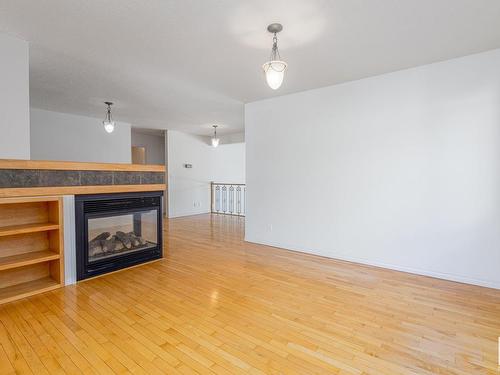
(415, 271)
(191, 213)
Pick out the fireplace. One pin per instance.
(114, 231)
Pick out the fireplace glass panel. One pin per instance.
(117, 235)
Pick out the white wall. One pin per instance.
(14, 98)
(62, 136)
(189, 189)
(154, 145)
(228, 163)
(400, 170)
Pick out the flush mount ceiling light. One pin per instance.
(109, 124)
(275, 68)
(215, 140)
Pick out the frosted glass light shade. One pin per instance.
(275, 72)
(109, 126)
(215, 142)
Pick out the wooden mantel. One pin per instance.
(20, 178)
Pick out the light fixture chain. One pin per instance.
(275, 53)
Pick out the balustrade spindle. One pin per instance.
(228, 198)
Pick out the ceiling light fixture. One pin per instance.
(275, 67)
(109, 124)
(215, 140)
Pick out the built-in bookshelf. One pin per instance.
(31, 246)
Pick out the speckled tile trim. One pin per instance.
(22, 178)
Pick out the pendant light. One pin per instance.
(215, 140)
(109, 124)
(275, 68)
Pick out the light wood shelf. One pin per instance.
(26, 289)
(27, 228)
(31, 246)
(74, 190)
(25, 259)
(78, 166)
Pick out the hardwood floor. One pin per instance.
(216, 304)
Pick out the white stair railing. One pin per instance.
(228, 198)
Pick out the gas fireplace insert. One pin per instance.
(114, 231)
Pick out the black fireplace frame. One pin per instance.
(109, 205)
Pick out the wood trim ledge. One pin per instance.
(72, 190)
(78, 166)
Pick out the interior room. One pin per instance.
(250, 187)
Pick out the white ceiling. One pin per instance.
(186, 64)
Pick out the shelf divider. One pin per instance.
(27, 228)
(25, 259)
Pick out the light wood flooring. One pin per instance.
(218, 305)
